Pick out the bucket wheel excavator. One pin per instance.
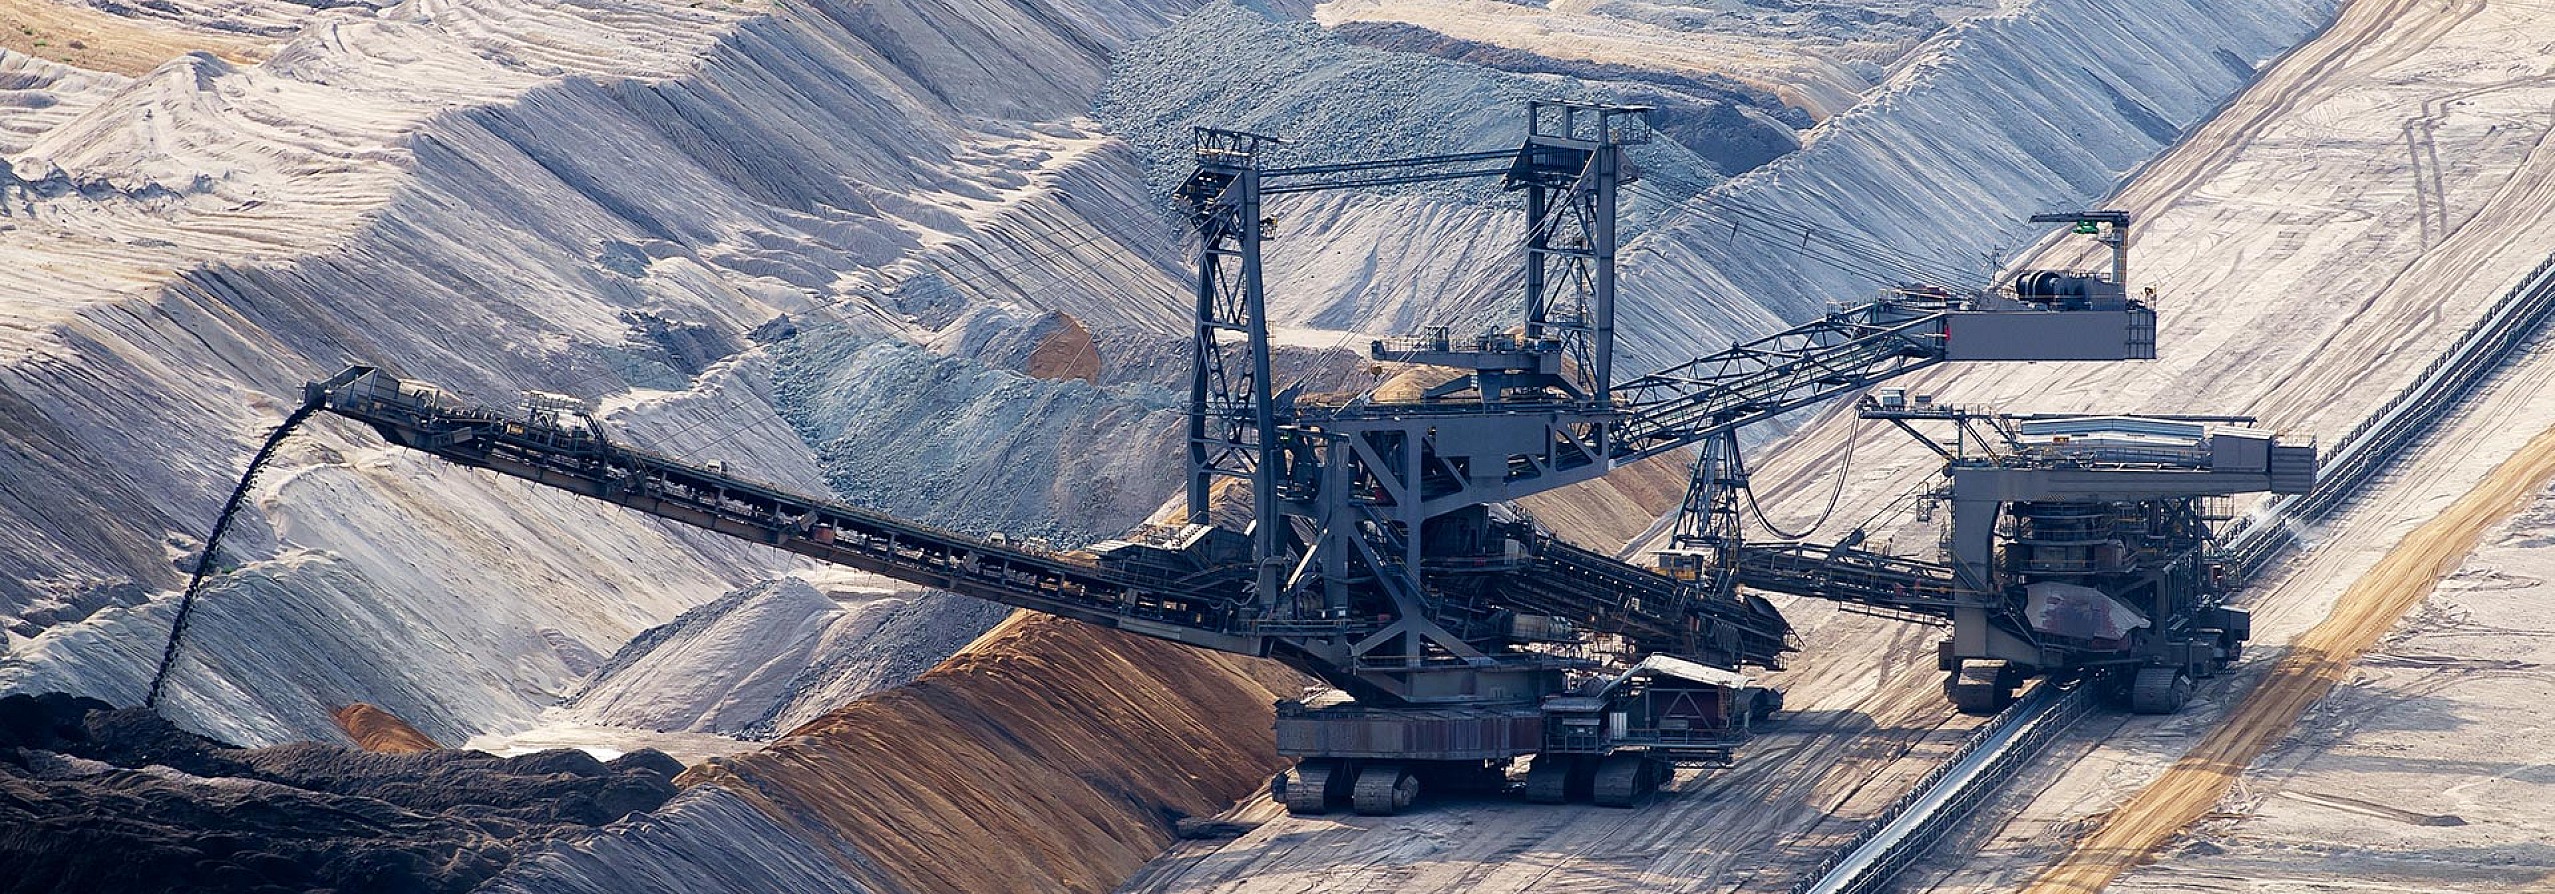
(1381, 553)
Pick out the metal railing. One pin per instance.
(2373, 445)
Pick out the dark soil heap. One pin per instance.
(93, 798)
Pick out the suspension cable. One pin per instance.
(1836, 493)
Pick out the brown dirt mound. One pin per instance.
(1049, 755)
(1067, 352)
(381, 732)
(78, 35)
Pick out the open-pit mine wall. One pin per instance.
(622, 199)
(566, 198)
(2045, 107)
(577, 198)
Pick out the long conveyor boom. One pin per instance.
(1854, 347)
(584, 462)
(1208, 608)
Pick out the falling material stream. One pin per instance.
(204, 562)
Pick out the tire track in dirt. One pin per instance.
(2368, 36)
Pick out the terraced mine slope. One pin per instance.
(850, 247)
(2305, 271)
(2430, 226)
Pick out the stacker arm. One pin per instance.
(1856, 577)
(580, 459)
(1208, 607)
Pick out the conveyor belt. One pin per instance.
(2378, 441)
(1848, 575)
(1773, 375)
(1660, 614)
(584, 462)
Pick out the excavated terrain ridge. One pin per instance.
(757, 232)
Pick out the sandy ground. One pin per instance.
(2313, 247)
(78, 35)
(2427, 770)
(2387, 73)
(608, 742)
(2310, 669)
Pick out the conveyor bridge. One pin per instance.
(581, 459)
(1209, 608)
